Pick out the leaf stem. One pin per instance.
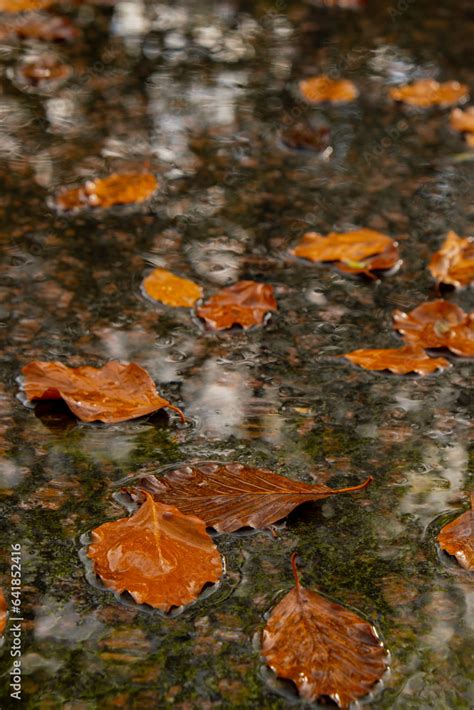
(359, 487)
(295, 571)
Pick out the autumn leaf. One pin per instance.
(321, 88)
(14, 6)
(229, 496)
(161, 285)
(302, 136)
(41, 27)
(42, 73)
(112, 393)
(427, 92)
(160, 556)
(3, 612)
(324, 648)
(388, 259)
(453, 264)
(245, 303)
(116, 189)
(462, 121)
(457, 538)
(437, 324)
(401, 361)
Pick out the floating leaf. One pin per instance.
(245, 303)
(400, 361)
(113, 393)
(229, 496)
(427, 92)
(14, 6)
(160, 556)
(437, 324)
(3, 612)
(163, 286)
(41, 27)
(359, 251)
(462, 121)
(322, 88)
(457, 538)
(117, 189)
(453, 264)
(303, 136)
(324, 648)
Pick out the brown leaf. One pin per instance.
(14, 6)
(322, 88)
(324, 648)
(457, 538)
(462, 121)
(160, 556)
(41, 27)
(161, 285)
(388, 259)
(427, 92)
(229, 496)
(245, 303)
(437, 324)
(303, 136)
(113, 393)
(3, 612)
(453, 264)
(400, 361)
(117, 189)
(43, 73)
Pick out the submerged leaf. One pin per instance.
(322, 88)
(462, 121)
(14, 6)
(303, 136)
(160, 556)
(116, 189)
(388, 259)
(112, 393)
(3, 612)
(44, 73)
(401, 361)
(163, 286)
(324, 648)
(457, 538)
(245, 303)
(41, 27)
(427, 92)
(437, 324)
(453, 264)
(229, 496)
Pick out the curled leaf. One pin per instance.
(3, 612)
(245, 303)
(437, 324)
(160, 556)
(401, 361)
(453, 264)
(303, 136)
(427, 92)
(324, 648)
(116, 189)
(161, 285)
(113, 393)
(457, 538)
(462, 121)
(47, 28)
(14, 6)
(322, 88)
(229, 496)
(388, 259)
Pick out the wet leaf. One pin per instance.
(245, 303)
(437, 324)
(160, 556)
(117, 189)
(457, 538)
(3, 612)
(303, 136)
(462, 121)
(14, 6)
(324, 648)
(161, 285)
(229, 496)
(359, 251)
(41, 27)
(112, 393)
(43, 73)
(427, 92)
(321, 88)
(401, 361)
(453, 264)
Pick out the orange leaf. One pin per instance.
(401, 360)
(113, 393)
(3, 612)
(160, 556)
(322, 88)
(230, 496)
(117, 189)
(453, 264)
(14, 6)
(388, 259)
(427, 92)
(163, 286)
(324, 648)
(43, 73)
(437, 324)
(41, 27)
(462, 121)
(246, 303)
(457, 538)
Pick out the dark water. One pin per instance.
(199, 92)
